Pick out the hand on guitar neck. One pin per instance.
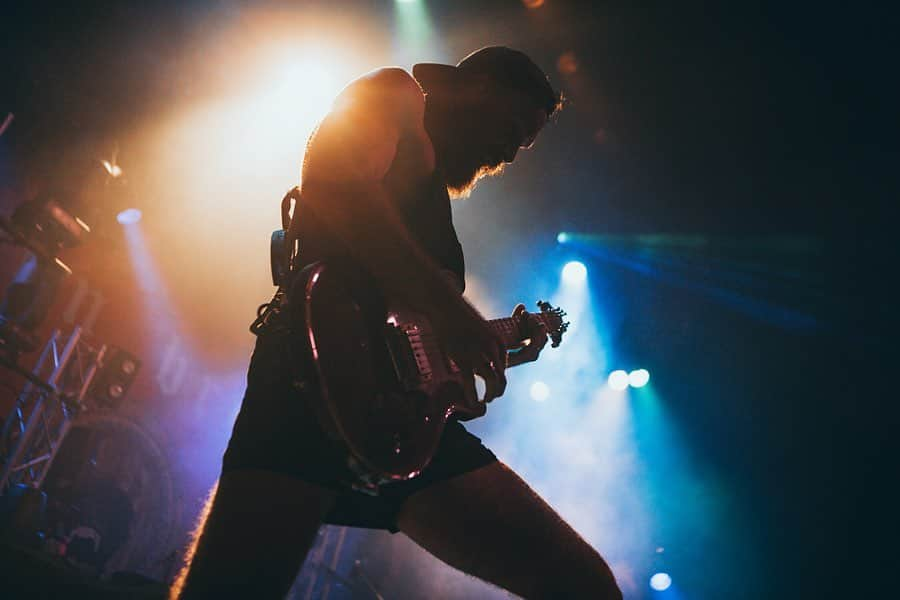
(473, 345)
(534, 337)
(487, 347)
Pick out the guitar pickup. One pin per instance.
(408, 355)
(417, 347)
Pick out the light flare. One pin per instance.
(618, 380)
(660, 582)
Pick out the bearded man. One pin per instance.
(377, 178)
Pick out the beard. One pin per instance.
(463, 173)
(461, 160)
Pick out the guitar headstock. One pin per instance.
(553, 319)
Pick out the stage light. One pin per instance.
(129, 216)
(638, 378)
(618, 380)
(574, 272)
(112, 168)
(660, 582)
(562, 237)
(540, 391)
(44, 226)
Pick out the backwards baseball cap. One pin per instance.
(502, 65)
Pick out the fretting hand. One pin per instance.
(534, 334)
(475, 347)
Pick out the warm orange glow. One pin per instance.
(212, 168)
(567, 64)
(533, 3)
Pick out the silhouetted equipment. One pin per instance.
(112, 483)
(77, 482)
(44, 227)
(117, 372)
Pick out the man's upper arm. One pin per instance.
(357, 141)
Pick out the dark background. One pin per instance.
(728, 121)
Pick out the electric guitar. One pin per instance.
(386, 387)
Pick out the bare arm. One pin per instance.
(344, 168)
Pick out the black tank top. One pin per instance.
(424, 207)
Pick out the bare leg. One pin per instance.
(490, 524)
(254, 538)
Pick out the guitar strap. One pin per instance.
(283, 249)
(282, 315)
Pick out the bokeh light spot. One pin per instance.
(618, 380)
(660, 582)
(574, 272)
(567, 64)
(540, 391)
(638, 378)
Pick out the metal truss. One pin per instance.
(44, 409)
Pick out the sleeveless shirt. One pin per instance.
(424, 207)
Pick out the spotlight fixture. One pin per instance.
(43, 226)
(112, 168)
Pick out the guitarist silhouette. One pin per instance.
(374, 219)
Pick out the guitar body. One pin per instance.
(386, 389)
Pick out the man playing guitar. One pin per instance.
(377, 178)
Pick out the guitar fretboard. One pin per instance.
(511, 332)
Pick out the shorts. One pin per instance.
(277, 430)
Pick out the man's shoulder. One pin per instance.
(359, 137)
(386, 89)
(391, 80)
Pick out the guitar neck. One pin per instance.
(509, 330)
